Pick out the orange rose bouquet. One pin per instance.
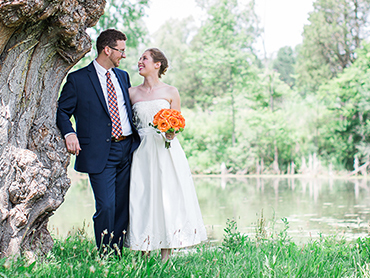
(167, 121)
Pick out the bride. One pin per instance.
(164, 209)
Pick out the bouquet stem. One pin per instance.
(167, 144)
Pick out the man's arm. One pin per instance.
(66, 106)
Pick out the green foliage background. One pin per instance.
(259, 115)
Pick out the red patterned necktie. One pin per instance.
(113, 108)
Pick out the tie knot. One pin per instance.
(108, 74)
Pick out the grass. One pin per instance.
(237, 256)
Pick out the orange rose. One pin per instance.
(168, 118)
(155, 121)
(174, 122)
(176, 113)
(165, 113)
(181, 121)
(158, 115)
(163, 125)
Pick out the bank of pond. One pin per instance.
(313, 206)
(237, 255)
(257, 227)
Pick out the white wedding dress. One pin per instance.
(164, 209)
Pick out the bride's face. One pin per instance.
(146, 64)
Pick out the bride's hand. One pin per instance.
(170, 135)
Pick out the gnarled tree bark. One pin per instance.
(40, 40)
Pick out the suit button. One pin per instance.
(109, 124)
(107, 140)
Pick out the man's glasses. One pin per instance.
(120, 51)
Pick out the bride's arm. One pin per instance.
(175, 104)
(175, 99)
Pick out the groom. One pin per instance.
(105, 137)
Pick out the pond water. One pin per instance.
(312, 206)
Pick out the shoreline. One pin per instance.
(300, 176)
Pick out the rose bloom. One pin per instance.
(165, 113)
(158, 115)
(155, 121)
(176, 113)
(163, 125)
(182, 121)
(174, 122)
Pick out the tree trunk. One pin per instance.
(233, 118)
(276, 160)
(40, 41)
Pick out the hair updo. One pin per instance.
(158, 56)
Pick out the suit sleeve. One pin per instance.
(128, 80)
(66, 106)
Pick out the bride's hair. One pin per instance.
(158, 56)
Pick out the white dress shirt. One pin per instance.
(125, 124)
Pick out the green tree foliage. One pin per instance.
(329, 42)
(242, 114)
(239, 113)
(284, 65)
(222, 50)
(222, 55)
(173, 39)
(126, 16)
(347, 129)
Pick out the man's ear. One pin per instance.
(106, 50)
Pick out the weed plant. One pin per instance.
(237, 256)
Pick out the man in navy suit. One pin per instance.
(105, 136)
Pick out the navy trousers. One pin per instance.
(111, 191)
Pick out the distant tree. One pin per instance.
(346, 128)
(284, 65)
(222, 54)
(336, 30)
(174, 38)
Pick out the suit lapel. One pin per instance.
(124, 88)
(96, 83)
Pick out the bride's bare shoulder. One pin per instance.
(134, 89)
(134, 93)
(171, 89)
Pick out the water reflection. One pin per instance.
(311, 206)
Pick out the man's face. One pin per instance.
(117, 53)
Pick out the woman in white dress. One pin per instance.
(164, 209)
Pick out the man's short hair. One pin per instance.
(109, 37)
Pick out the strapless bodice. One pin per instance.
(144, 111)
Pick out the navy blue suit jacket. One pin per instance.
(82, 97)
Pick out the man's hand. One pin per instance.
(73, 146)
